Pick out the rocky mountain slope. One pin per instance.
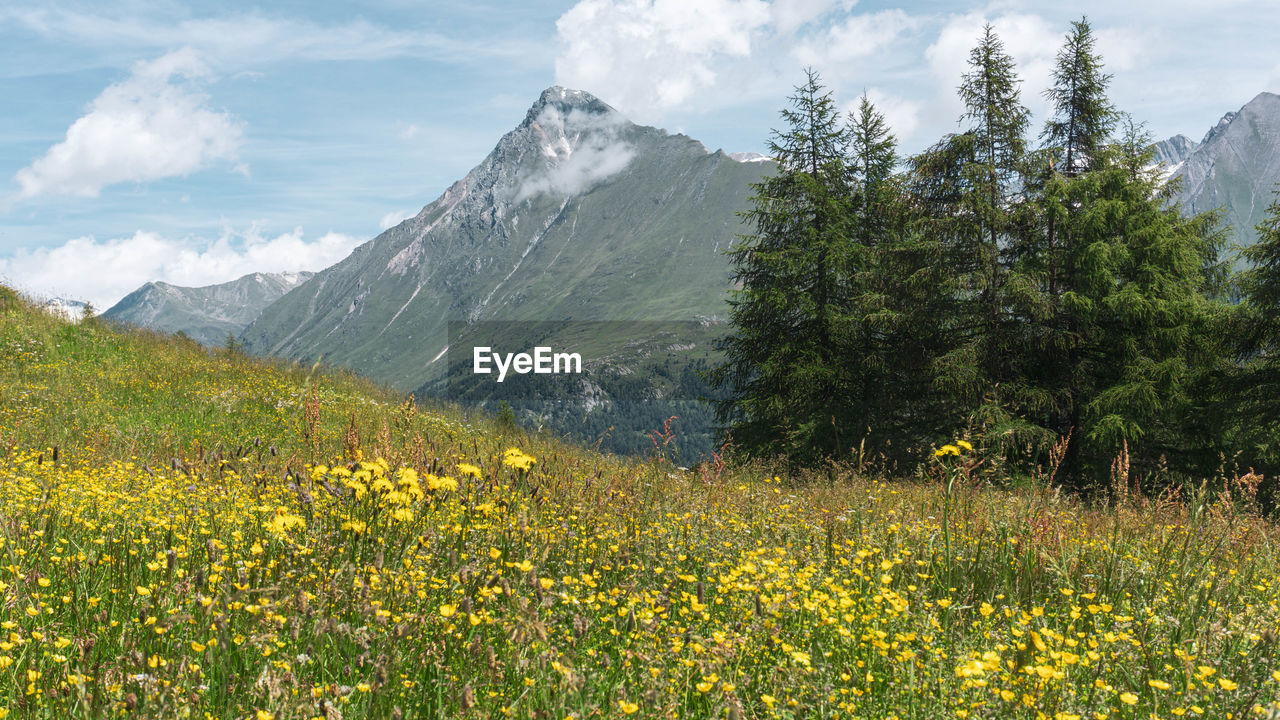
(1236, 166)
(614, 230)
(1174, 151)
(207, 314)
(577, 214)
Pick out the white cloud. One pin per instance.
(858, 37)
(790, 15)
(237, 40)
(581, 150)
(153, 125)
(1125, 49)
(586, 167)
(902, 115)
(104, 271)
(650, 58)
(394, 218)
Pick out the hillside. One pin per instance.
(208, 315)
(191, 532)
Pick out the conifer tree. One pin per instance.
(1256, 407)
(970, 188)
(1073, 265)
(990, 92)
(873, 157)
(897, 299)
(782, 368)
(1147, 310)
(1083, 117)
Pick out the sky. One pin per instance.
(198, 142)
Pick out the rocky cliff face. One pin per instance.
(576, 214)
(206, 314)
(1236, 167)
(1171, 153)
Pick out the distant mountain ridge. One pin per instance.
(67, 309)
(1235, 167)
(206, 314)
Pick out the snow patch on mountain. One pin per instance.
(72, 310)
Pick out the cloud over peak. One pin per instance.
(652, 57)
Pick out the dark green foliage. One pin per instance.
(1083, 116)
(1022, 296)
(1139, 304)
(971, 189)
(506, 417)
(1256, 402)
(895, 303)
(782, 370)
(1114, 337)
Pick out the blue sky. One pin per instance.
(192, 143)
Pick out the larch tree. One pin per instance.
(1075, 265)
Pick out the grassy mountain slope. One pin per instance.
(169, 553)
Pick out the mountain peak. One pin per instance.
(1173, 152)
(565, 101)
(1235, 167)
(1264, 98)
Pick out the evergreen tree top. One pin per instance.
(872, 146)
(1083, 118)
(814, 138)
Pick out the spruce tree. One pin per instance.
(872, 160)
(1256, 405)
(896, 299)
(782, 369)
(970, 187)
(1149, 308)
(1074, 266)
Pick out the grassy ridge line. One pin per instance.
(131, 393)
(460, 579)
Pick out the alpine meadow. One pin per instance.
(1000, 432)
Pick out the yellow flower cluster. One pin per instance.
(960, 446)
(516, 458)
(699, 603)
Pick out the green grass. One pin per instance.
(246, 584)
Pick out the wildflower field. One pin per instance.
(192, 533)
